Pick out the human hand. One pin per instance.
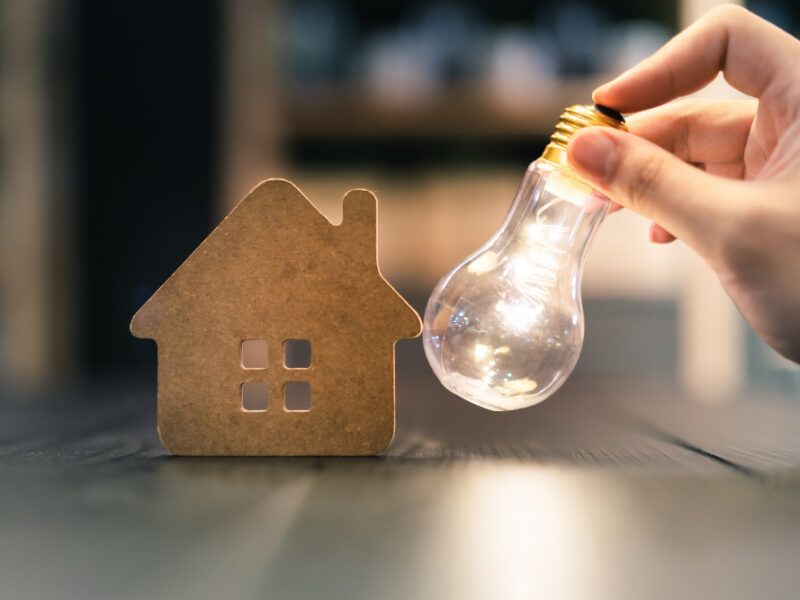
(723, 177)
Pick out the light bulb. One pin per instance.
(504, 328)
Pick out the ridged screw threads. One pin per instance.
(575, 118)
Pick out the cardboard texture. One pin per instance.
(275, 270)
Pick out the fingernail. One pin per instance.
(598, 90)
(593, 152)
(594, 202)
(602, 88)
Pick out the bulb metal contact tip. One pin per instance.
(575, 118)
(610, 112)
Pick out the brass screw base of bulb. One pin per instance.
(575, 118)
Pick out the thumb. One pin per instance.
(641, 176)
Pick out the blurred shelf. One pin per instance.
(465, 111)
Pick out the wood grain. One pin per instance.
(578, 497)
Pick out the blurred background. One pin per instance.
(128, 129)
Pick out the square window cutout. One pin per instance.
(297, 354)
(255, 396)
(297, 395)
(255, 354)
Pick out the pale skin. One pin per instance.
(723, 177)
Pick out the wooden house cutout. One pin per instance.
(275, 276)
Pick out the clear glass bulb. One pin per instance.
(504, 329)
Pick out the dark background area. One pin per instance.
(149, 84)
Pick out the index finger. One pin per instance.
(752, 53)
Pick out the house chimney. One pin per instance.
(359, 215)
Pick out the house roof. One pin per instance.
(275, 256)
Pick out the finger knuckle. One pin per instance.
(727, 13)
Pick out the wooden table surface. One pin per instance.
(610, 489)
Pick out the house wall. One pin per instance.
(200, 403)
